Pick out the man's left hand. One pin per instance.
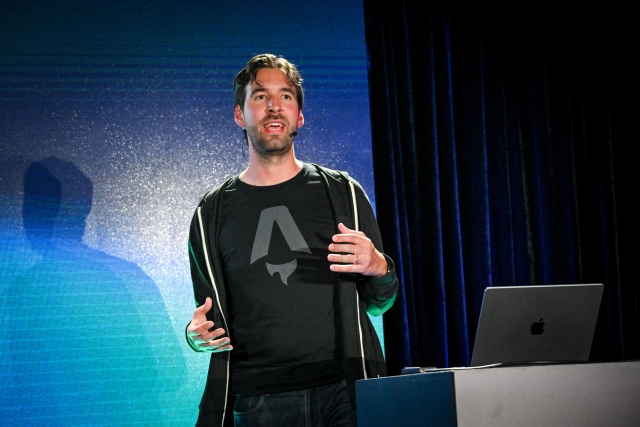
(356, 254)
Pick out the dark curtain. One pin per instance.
(504, 155)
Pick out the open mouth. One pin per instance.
(274, 127)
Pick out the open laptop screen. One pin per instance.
(550, 323)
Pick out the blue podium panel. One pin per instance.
(408, 400)
(585, 395)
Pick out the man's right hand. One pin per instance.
(200, 334)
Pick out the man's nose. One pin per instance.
(274, 104)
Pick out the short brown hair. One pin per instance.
(266, 60)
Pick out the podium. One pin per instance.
(586, 394)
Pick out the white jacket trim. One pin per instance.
(215, 291)
(357, 228)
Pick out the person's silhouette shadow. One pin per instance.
(90, 340)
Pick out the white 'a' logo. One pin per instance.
(291, 233)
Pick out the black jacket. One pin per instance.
(356, 294)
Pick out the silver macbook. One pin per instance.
(551, 323)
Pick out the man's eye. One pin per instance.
(259, 97)
(286, 96)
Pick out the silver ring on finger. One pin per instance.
(357, 259)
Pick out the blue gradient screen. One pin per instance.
(115, 118)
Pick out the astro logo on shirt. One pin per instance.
(291, 233)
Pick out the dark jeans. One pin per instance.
(314, 407)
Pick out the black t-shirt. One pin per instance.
(274, 245)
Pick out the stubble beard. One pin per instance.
(269, 147)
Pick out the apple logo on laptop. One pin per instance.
(537, 328)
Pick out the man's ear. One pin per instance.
(300, 119)
(238, 116)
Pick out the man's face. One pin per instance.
(270, 113)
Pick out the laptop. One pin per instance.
(525, 324)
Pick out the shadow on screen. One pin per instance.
(88, 336)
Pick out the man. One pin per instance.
(286, 261)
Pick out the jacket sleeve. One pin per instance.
(200, 270)
(197, 263)
(380, 292)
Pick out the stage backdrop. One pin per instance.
(115, 118)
